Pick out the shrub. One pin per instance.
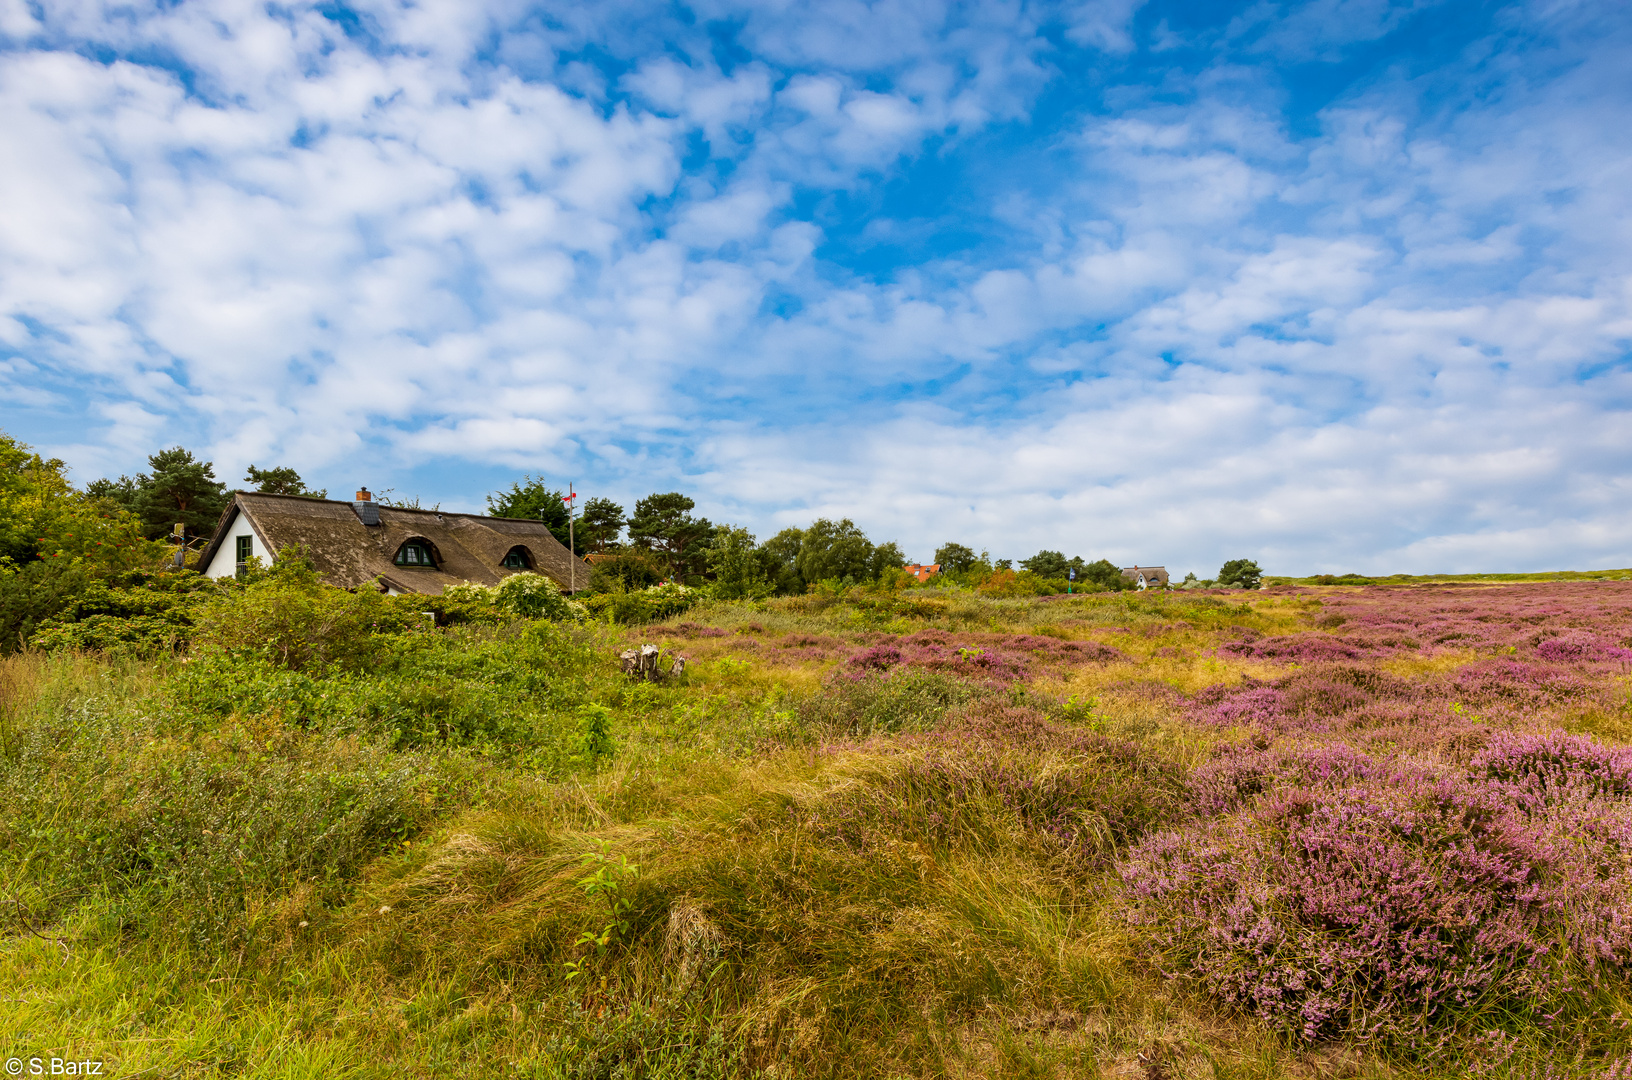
(1578, 646)
(35, 592)
(1399, 903)
(626, 571)
(154, 615)
(293, 619)
(137, 634)
(647, 605)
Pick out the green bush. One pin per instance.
(626, 571)
(290, 617)
(151, 613)
(35, 592)
(647, 605)
(136, 634)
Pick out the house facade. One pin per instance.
(407, 551)
(921, 571)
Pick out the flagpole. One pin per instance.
(572, 542)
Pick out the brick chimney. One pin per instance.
(367, 512)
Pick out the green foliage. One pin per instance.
(518, 694)
(1048, 564)
(643, 605)
(149, 614)
(532, 499)
(910, 699)
(29, 484)
(955, 558)
(601, 525)
(780, 556)
(292, 619)
(191, 837)
(626, 571)
(35, 592)
(608, 884)
(739, 572)
(535, 596)
(885, 559)
(179, 489)
(1103, 573)
(42, 517)
(281, 481)
(523, 595)
(663, 524)
(1240, 574)
(139, 635)
(835, 551)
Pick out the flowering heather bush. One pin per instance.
(1489, 618)
(990, 658)
(1537, 771)
(1310, 699)
(1300, 648)
(1344, 895)
(1577, 647)
(1251, 704)
(1517, 683)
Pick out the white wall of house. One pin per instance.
(225, 563)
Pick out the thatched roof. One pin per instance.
(347, 553)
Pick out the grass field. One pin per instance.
(1316, 832)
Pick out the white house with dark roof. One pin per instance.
(406, 551)
(1146, 577)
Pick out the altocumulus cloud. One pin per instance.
(1340, 285)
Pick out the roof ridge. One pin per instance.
(381, 505)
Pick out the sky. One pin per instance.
(1343, 285)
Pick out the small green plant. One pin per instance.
(608, 882)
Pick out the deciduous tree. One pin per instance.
(955, 558)
(834, 551)
(738, 570)
(780, 556)
(1240, 574)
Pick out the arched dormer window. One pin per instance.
(518, 558)
(416, 552)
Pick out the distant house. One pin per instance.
(922, 572)
(1145, 577)
(408, 551)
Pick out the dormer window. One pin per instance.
(416, 553)
(516, 559)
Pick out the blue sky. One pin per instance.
(1341, 285)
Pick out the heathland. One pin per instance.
(1329, 831)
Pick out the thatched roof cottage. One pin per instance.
(408, 551)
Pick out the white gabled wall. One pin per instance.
(225, 563)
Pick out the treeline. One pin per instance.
(663, 541)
